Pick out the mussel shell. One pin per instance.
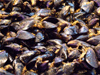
(24, 35)
(28, 55)
(87, 6)
(3, 58)
(18, 68)
(64, 12)
(43, 66)
(74, 54)
(82, 37)
(91, 58)
(94, 40)
(39, 37)
(58, 60)
(23, 25)
(54, 42)
(75, 43)
(68, 68)
(83, 29)
(97, 50)
(49, 25)
(44, 12)
(93, 21)
(15, 47)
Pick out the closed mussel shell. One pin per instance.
(91, 58)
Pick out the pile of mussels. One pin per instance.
(49, 37)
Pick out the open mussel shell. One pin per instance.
(3, 58)
(24, 35)
(91, 58)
